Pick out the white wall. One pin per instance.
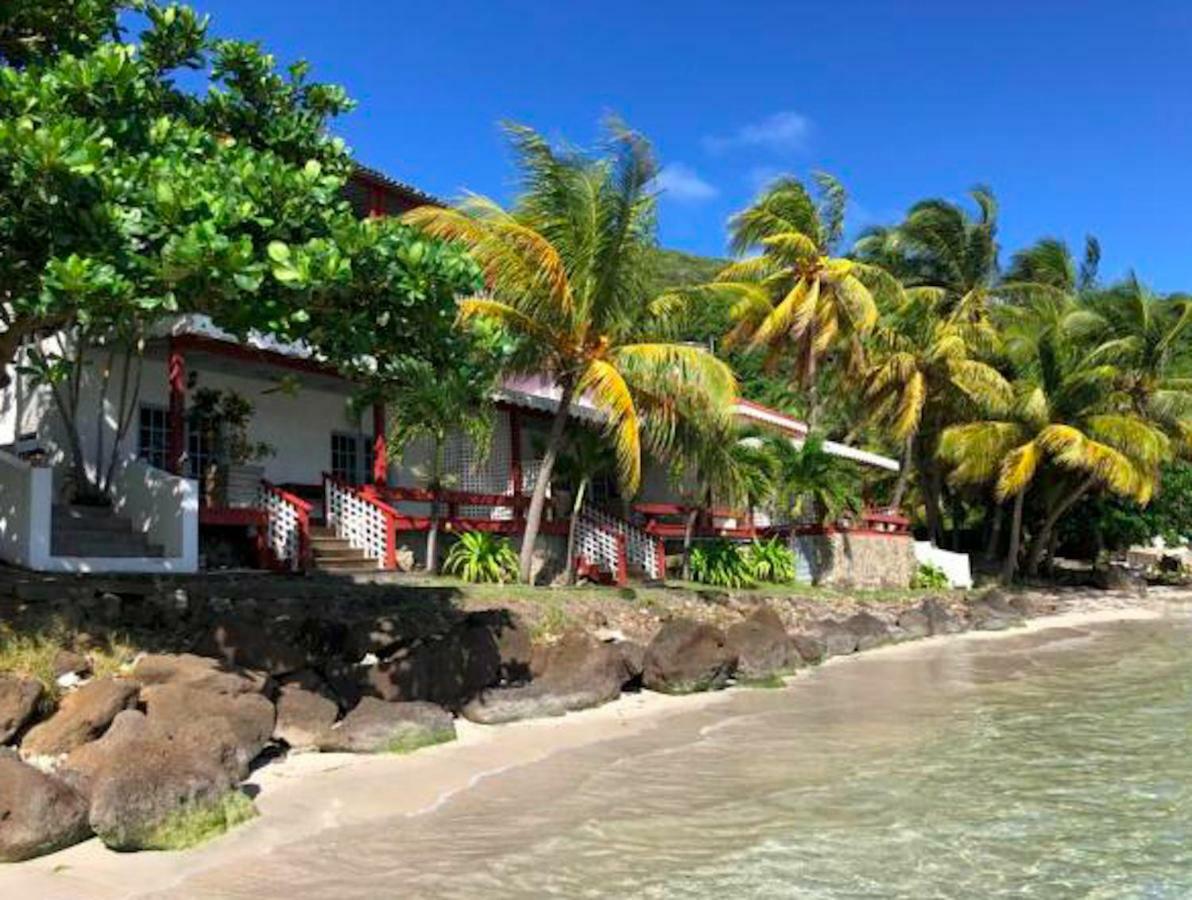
(954, 565)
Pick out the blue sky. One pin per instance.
(1079, 115)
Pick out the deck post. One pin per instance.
(515, 461)
(380, 472)
(176, 371)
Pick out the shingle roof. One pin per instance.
(418, 196)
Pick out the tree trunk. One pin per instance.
(688, 534)
(572, 527)
(1011, 565)
(432, 539)
(1041, 541)
(929, 485)
(904, 474)
(554, 442)
(995, 532)
(957, 506)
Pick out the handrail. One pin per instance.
(391, 516)
(362, 493)
(461, 498)
(304, 505)
(302, 510)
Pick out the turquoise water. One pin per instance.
(1055, 764)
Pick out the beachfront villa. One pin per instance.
(323, 493)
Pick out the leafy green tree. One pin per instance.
(125, 197)
(565, 272)
(810, 480)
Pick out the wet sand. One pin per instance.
(312, 797)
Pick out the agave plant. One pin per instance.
(721, 564)
(771, 561)
(479, 557)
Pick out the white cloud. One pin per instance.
(783, 132)
(682, 183)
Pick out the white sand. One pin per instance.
(307, 793)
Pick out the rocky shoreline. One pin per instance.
(155, 756)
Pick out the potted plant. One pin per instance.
(233, 476)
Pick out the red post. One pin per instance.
(661, 551)
(515, 458)
(391, 542)
(176, 370)
(622, 561)
(380, 472)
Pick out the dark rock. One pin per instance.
(870, 630)
(378, 635)
(82, 716)
(1119, 578)
(246, 645)
(1031, 606)
(67, 662)
(245, 720)
(913, 624)
(576, 672)
(838, 640)
(38, 812)
(687, 656)
(505, 635)
(761, 646)
(376, 726)
(992, 612)
(940, 617)
(303, 716)
(142, 792)
(19, 698)
(810, 648)
(633, 658)
(198, 672)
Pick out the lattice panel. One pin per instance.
(362, 524)
(597, 545)
(283, 532)
(641, 549)
(488, 474)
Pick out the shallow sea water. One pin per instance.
(1053, 764)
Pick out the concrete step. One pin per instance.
(354, 566)
(88, 518)
(99, 544)
(340, 554)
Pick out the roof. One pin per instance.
(416, 196)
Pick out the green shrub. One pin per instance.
(929, 576)
(479, 556)
(771, 561)
(721, 564)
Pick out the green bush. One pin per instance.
(931, 577)
(721, 564)
(771, 561)
(479, 556)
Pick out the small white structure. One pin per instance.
(954, 565)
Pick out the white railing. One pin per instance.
(287, 532)
(600, 547)
(641, 549)
(364, 522)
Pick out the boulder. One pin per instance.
(687, 656)
(159, 793)
(376, 726)
(244, 720)
(39, 813)
(240, 644)
(67, 662)
(870, 630)
(504, 635)
(837, 638)
(82, 716)
(576, 672)
(19, 698)
(940, 617)
(198, 672)
(761, 646)
(809, 647)
(302, 716)
(913, 624)
(633, 658)
(1119, 578)
(992, 612)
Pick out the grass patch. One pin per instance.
(767, 682)
(191, 826)
(411, 739)
(30, 654)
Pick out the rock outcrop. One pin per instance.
(39, 813)
(687, 656)
(376, 726)
(82, 716)
(19, 698)
(302, 716)
(762, 646)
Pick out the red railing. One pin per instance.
(361, 518)
(288, 529)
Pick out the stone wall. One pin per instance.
(857, 560)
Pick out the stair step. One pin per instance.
(345, 566)
(102, 544)
(89, 519)
(339, 554)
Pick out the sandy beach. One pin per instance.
(305, 794)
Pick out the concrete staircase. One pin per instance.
(333, 555)
(96, 532)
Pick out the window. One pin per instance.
(202, 450)
(154, 435)
(345, 457)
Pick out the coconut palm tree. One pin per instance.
(566, 270)
(584, 459)
(1049, 262)
(1066, 419)
(794, 298)
(808, 478)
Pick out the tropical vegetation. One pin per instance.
(481, 557)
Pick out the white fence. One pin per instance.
(288, 531)
(364, 523)
(954, 565)
(641, 549)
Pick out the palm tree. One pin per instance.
(922, 367)
(794, 296)
(714, 463)
(810, 478)
(566, 271)
(435, 409)
(1049, 262)
(1065, 419)
(583, 460)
